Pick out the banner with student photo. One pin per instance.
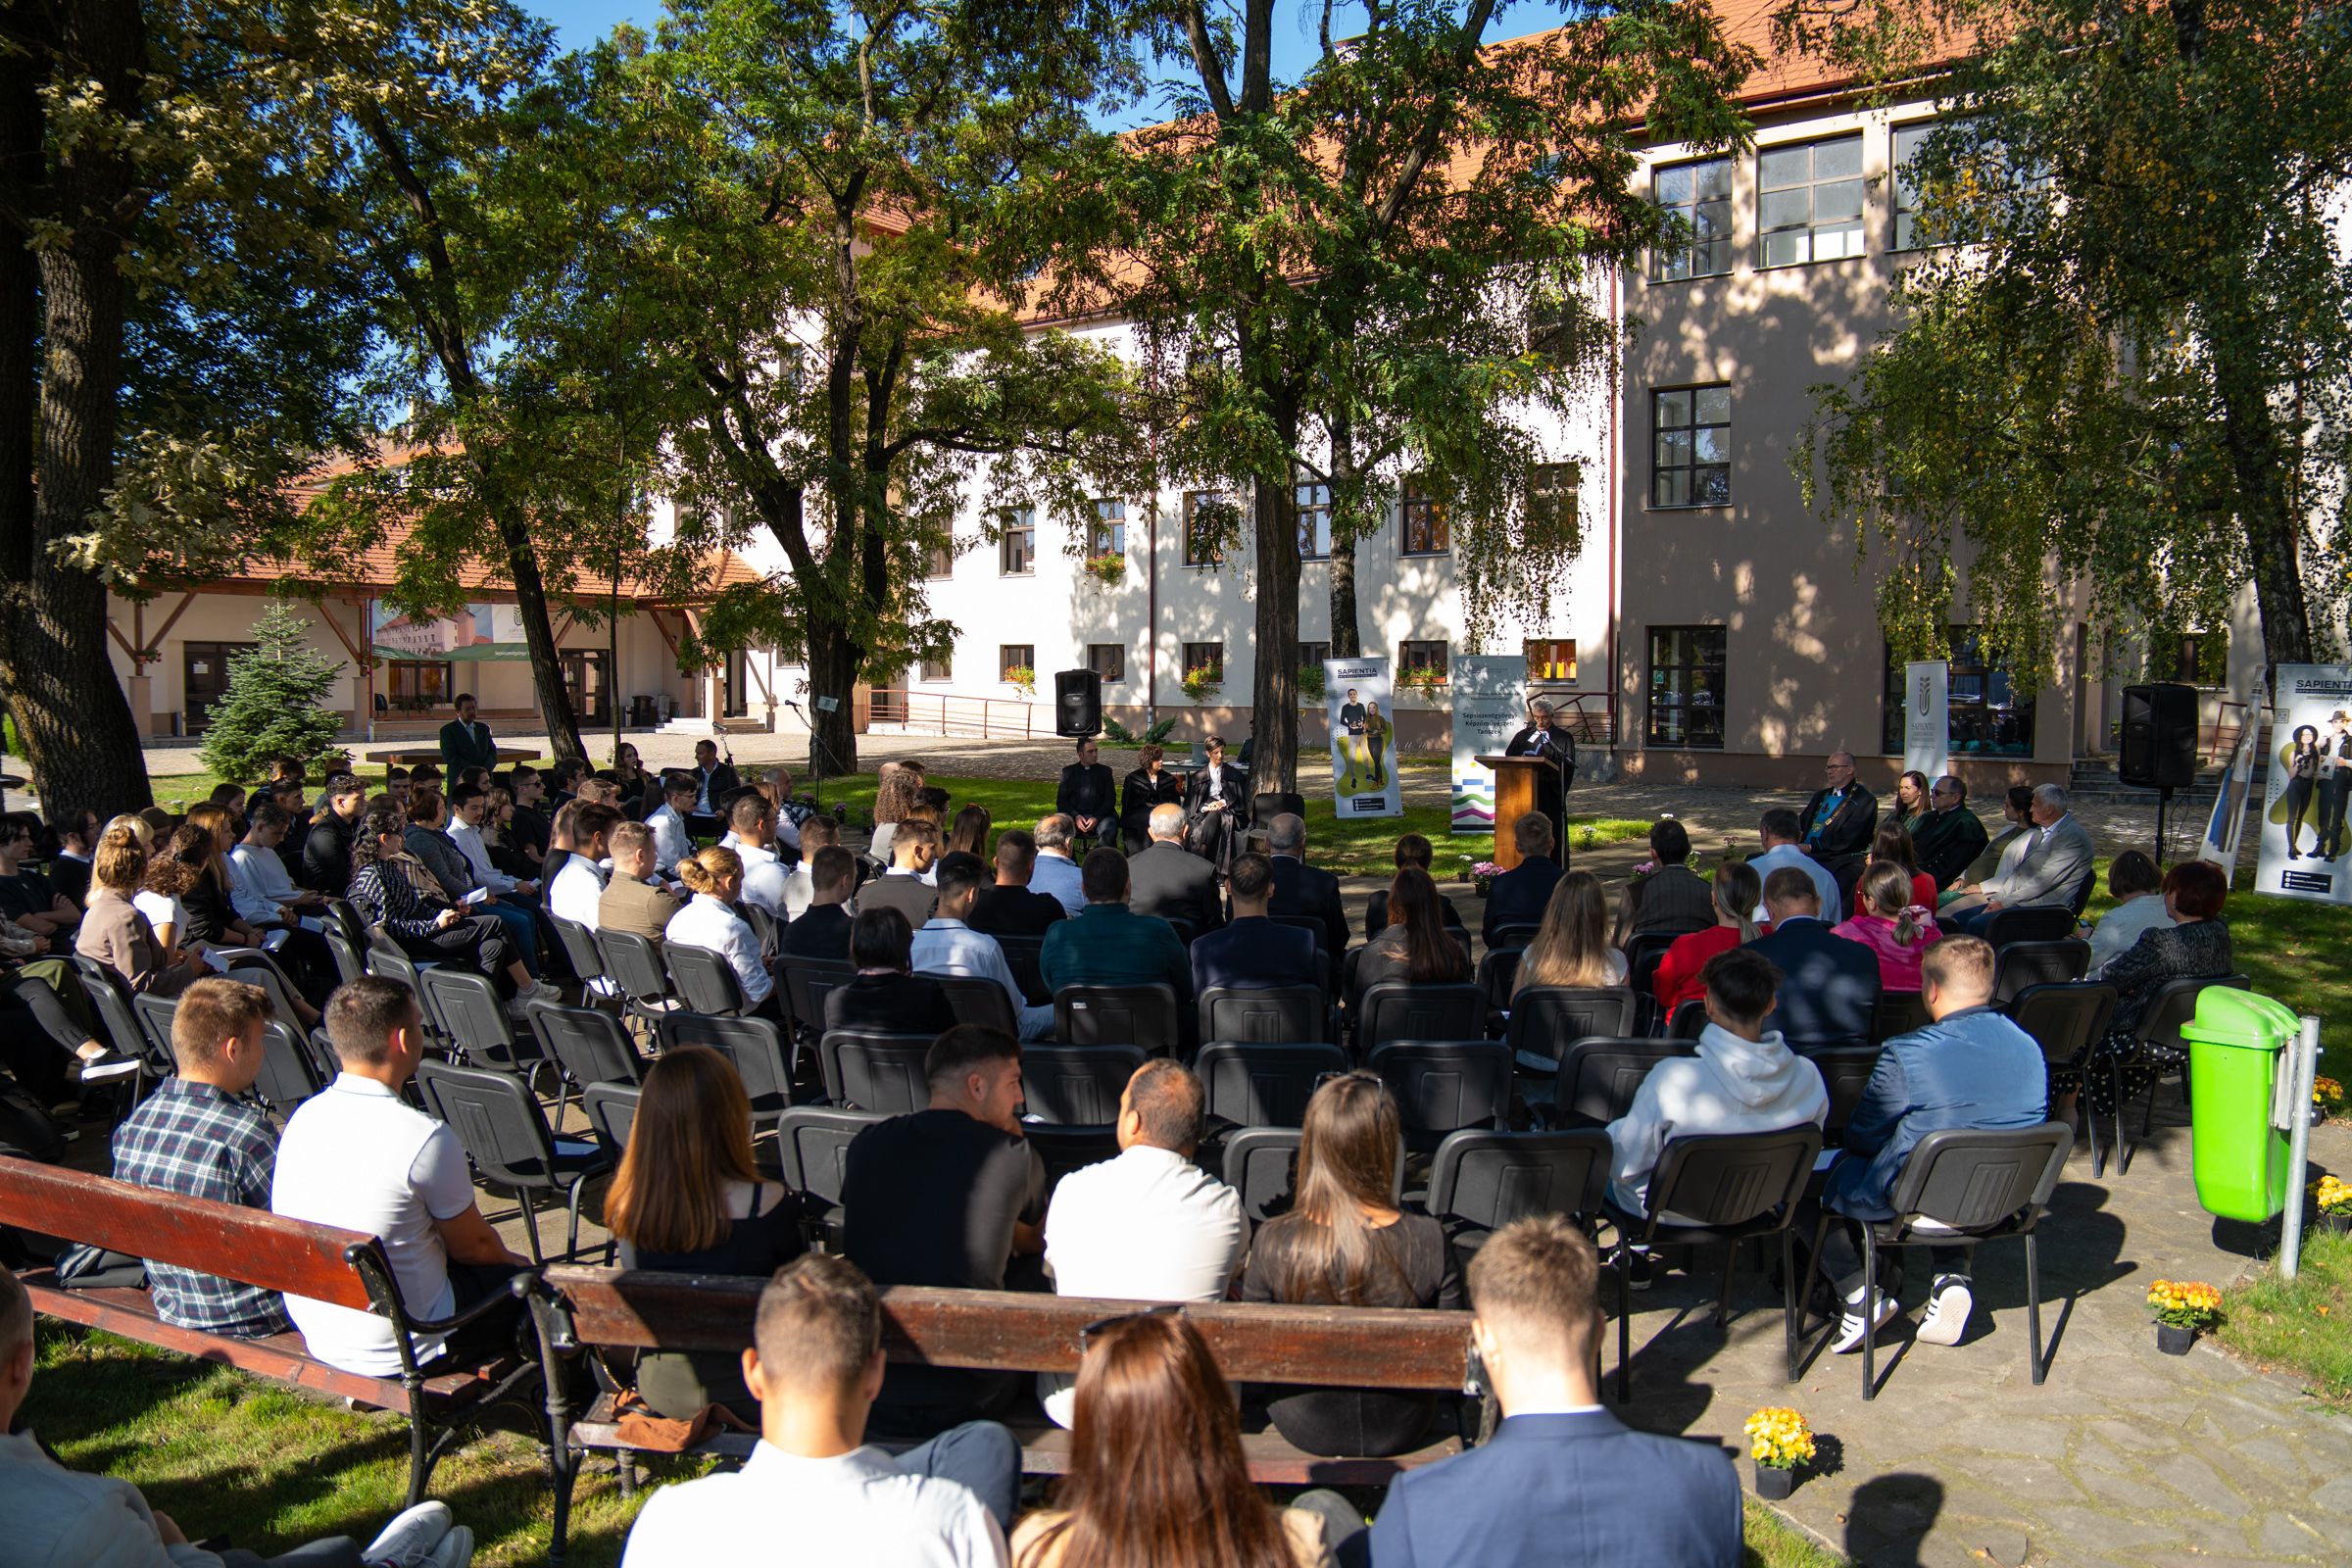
(475, 632)
(1359, 701)
(2228, 819)
(1489, 704)
(2306, 846)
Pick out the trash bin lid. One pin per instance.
(2228, 1017)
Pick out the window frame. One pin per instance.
(946, 669)
(1117, 675)
(1551, 646)
(1016, 523)
(1570, 493)
(939, 563)
(1969, 663)
(1415, 655)
(419, 702)
(1692, 467)
(1313, 655)
(1433, 504)
(1006, 664)
(1215, 661)
(1686, 254)
(1107, 535)
(1192, 501)
(1310, 503)
(1902, 201)
(1686, 690)
(1859, 230)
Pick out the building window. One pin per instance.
(1551, 515)
(1109, 535)
(1685, 687)
(1206, 515)
(1016, 657)
(2200, 658)
(1986, 716)
(1422, 658)
(1695, 202)
(1552, 660)
(943, 558)
(1017, 555)
(936, 669)
(1691, 462)
(1424, 521)
(1907, 142)
(1108, 660)
(1312, 655)
(1809, 201)
(416, 685)
(1209, 656)
(1314, 522)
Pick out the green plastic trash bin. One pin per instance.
(2233, 1048)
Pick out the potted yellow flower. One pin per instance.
(2333, 1201)
(1779, 1441)
(2183, 1307)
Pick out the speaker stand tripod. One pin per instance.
(2164, 799)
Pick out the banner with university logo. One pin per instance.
(1927, 719)
(1359, 703)
(2306, 847)
(1489, 704)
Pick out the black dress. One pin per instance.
(1216, 836)
(2115, 1072)
(678, 1384)
(1414, 1267)
(1138, 796)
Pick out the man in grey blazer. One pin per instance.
(2054, 869)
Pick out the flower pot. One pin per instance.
(2173, 1340)
(1774, 1484)
(2335, 1224)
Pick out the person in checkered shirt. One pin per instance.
(195, 1136)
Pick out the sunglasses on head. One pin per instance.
(1164, 1309)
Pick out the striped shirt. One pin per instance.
(190, 1138)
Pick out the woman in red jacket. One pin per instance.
(1737, 892)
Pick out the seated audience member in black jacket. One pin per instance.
(1170, 881)
(886, 996)
(1411, 850)
(1089, 795)
(1520, 895)
(1829, 994)
(822, 930)
(1010, 909)
(1301, 889)
(1843, 817)
(327, 852)
(1254, 952)
(1948, 836)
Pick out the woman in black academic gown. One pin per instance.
(1216, 808)
(1152, 784)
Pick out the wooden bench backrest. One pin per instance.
(247, 1245)
(1015, 1330)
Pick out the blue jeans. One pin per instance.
(981, 1454)
(1971, 924)
(521, 926)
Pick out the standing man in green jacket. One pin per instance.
(465, 740)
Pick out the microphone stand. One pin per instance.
(817, 748)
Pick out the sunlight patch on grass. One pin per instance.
(2304, 1328)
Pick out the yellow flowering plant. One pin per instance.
(2332, 1196)
(2184, 1303)
(2328, 1098)
(1779, 1438)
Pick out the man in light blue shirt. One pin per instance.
(1055, 875)
(752, 822)
(946, 945)
(1779, 830)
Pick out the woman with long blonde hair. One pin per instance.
(1572, 946)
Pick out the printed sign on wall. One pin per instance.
(1357, 698)
(1489, 704)
(2306, 847)
(476, 632)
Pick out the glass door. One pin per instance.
(587, 678)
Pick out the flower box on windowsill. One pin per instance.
(1109, 570)
(1203, 684)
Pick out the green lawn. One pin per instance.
(230, 1455)
(2305, 1327)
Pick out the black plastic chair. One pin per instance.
(2020, 964)
(1481, 1179)
(1266, 1015)
(1253, 1085)
(2070, 1022)
(1261, 1164)
(1598, 1077)
(1513, 935)
(587, 1043)
(1733, 1186)
(121, 1026)
(1845, 1072)
(756, 1047)
(867, 1070)
(612, 1110)
(349, 964)
(1962, 1187)
(807, 982)
(469, 1009)
(1644, 953)
(1398, 1010)
(1545, 1020)
(155, 1014)
(255, 967)
(2173, 1005)
(812, 1144)
(634, 964)
(1899, 1012)
(979, 1001)
(1497, 973)
(1143, 1016)
(2035, 922)
(506, 1136)
(704, 979)
(1065, 1148)
(1690, 1020)
(1442, 1085)
(1186, 932)
(1025, 956)
(579, 946)
(389, 962)
(1077, 1086)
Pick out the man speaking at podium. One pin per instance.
(1544, 737)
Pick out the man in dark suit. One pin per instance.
(465, 740)
(1088, 794)
(1303, 888)
(912, 849)
(1672, 897)
(1829, 993)
(1552, 1486)
(327, 852)
(1010, 909)
(1520, 895)
(1172, 882)
(1841, 817)
(1253, 952)
(1950, 836)
(822, 930)
(886, 996)
(1545, 737)
(714, 780)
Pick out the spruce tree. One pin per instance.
(275, 701)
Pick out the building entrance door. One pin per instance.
(203, 676)
(588, 679)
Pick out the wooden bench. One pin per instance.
(1010, 1331)
(411, 756)
(287, 1256)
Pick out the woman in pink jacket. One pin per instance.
(1890, 925)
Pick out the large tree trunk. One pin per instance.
(1274, 703)
(2258, 464)
(1345, 643)
(539, 635)
(833, 663)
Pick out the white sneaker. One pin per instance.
(408, 1542)
(1851, 1331)
(1948, 1306)
(455, 1549)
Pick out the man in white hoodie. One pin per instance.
(1743, 1080)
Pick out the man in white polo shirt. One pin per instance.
(358, 1157)
(753, 821)
(1149, 1226)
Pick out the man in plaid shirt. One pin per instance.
(193, 1135)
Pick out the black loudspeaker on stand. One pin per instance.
(2159, 743)
(1077, 703)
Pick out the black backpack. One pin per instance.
(27, 1129)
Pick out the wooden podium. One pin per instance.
(1515, 797)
